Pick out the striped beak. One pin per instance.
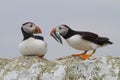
(56, 35)
(37, 30)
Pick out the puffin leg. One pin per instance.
(86, 56)
(79, 54)
(41, 56)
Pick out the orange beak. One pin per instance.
(37, 30)
(52, 31)
(56, 35)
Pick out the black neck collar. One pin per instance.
(69, 34)
(26, 35)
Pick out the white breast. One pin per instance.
(78, 43)
(33, 46)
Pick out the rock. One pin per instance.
(67, 68)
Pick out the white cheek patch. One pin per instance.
(64, 32)
(28, 29)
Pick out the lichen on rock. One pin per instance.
(67, 68)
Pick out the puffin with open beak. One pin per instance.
(79, 40)
(32, 45)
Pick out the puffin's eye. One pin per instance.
(31, 25)
(60, 28)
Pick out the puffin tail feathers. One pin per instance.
(103, 41)
(110, 42)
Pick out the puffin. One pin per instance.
(80, 40)
(32, 44)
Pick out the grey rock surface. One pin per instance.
(67, 68)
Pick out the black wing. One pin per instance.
(95, 38)
(89, 36)
(39, 37)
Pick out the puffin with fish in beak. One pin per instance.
(79, 40)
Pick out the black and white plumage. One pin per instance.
(32, 45)
(79, 40)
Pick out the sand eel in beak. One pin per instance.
(79, 40)
(56, 36)
(32, 45)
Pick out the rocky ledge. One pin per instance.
(67, 68)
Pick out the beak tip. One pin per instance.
(51, 34)
(52, 31)
(39, 30)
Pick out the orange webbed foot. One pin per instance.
(84, 56)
